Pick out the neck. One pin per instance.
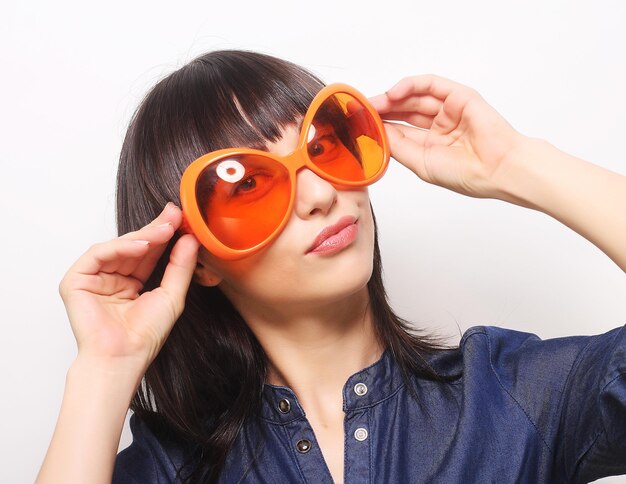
(314, 348)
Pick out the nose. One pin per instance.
(313, 194)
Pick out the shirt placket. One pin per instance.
(361, 393)
(357, 455)
(299, 436)
(307, 452)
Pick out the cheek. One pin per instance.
(282, 266)
(270, 268)
(228, 270)
(270, 279)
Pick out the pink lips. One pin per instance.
(335, 237)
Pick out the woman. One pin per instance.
(288, 365)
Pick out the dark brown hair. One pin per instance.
(208, 378)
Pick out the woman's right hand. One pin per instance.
(110, 320)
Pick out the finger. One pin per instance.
(158, 243)
(180, 269)
(407, 147)
(104, 284)
(165, 223)
(133, 253)
(142, 264)
(416, 119)
(170, 213)
(353, 106)
(423, 104)
(156, 311)
(381, 103)
(108, 254)
(436, 86)
(453, 110)
(416, 135)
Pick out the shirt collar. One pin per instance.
(365, 388)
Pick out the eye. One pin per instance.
(316, 149)
(251, 187)
(246, 184)
(324, 145)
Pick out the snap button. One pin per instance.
(360, 389)
(303, 446)
(284, 406)
(360, 434)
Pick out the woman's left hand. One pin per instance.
(455, 139)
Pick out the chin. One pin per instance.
(343, 276)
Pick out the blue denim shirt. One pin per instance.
(523, 410)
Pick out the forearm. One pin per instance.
(587, 198)
(87, 434)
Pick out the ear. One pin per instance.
(205, 275)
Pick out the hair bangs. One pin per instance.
(244, 102)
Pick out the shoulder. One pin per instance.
(503, 352)
(152, 456)
(507, 348)
(517, 356)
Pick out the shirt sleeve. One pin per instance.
(593, 416)
(147, 458)
(573, 389)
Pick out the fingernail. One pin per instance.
(141, 242)
(166, 224)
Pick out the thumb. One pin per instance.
(407, 147)
(179, 270)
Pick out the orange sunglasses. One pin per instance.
(237, 200)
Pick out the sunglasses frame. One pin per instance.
(293, 162)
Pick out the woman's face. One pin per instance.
(284, 272)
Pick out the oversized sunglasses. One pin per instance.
(238, 200)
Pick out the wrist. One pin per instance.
(522, 177)
(121, 377)
(98, 392)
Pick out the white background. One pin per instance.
(72, 74)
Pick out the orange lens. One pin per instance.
(344, 140)
(243, 198)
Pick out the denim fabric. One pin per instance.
(523, 410)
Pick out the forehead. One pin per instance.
(287, 142)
